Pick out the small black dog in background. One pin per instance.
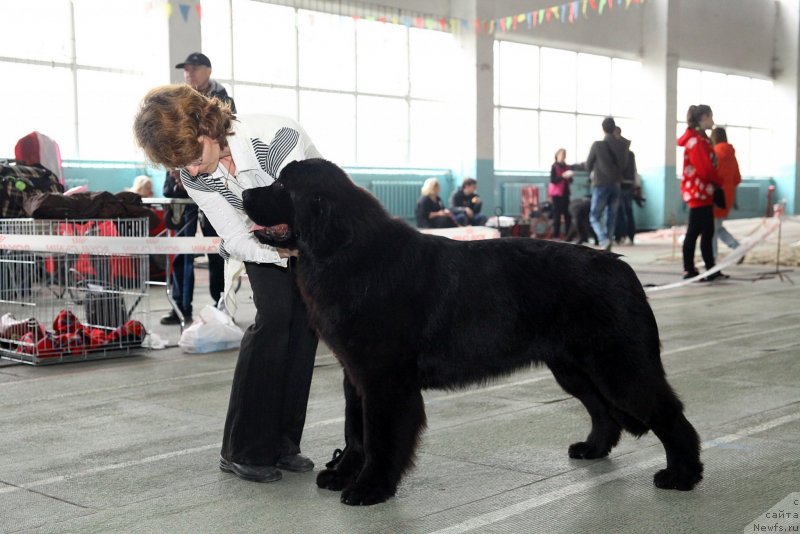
(389, 301)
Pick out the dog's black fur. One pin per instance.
(399, 309)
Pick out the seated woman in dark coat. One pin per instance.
(430, 212)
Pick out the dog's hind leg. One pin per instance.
(394, 417)
(605, 431)
(657, 407)
(681, 443)
(345, 465)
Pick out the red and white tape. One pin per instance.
(729, 260)
(123, 246)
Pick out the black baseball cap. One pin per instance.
(195, 58)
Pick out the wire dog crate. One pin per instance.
(59, 307)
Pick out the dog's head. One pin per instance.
(309, 203)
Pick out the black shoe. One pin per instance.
(172, 318)
(690, 274)
(716, 276)
(740, 260)
(296, 463)
(253, 473)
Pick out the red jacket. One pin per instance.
(728, 170)
(699, 169)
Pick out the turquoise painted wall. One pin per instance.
(660, 187)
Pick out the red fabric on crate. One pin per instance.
(94, 337)
(71, 343)
(28, 338)
(46, 348)
(66, 322)
(131, 331)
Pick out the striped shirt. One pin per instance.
(260, 147)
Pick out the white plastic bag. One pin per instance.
(211, 331)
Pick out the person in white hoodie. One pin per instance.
(219, 156)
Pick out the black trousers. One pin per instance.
(216, 265)
(267, 409)
(561, 207)
(701, 223)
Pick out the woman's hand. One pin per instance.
(287, 253)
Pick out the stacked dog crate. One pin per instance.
(58, 307)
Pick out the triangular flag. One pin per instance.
(610, 4)
(514, 24)
(541, 16)
(509, 21)
(503, 25)
(535, 18)
(491, 26)
(521, 17)
(593, 4)
(184, 11)
(563, 12)
(585, 3)
(554, 11)
(168, 9)
(548, 14)
(627, 4)
(199, 11)
(529, 16)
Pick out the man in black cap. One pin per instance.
(197, 73)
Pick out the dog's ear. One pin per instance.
(327, 231)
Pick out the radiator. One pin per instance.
(399, 198)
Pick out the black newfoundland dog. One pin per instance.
(405, 311)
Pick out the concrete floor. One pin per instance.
(131, 444)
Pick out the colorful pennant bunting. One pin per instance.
(566, 12)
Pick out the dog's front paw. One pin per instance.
(586, 451)
(677, 479)
(333, 480)
(359, 494)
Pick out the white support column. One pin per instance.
(477, 102)
(787, 93)
(184, 38)
(656, 158)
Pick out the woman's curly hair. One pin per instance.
(172, 117)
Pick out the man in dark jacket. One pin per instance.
(197, 74)
(606, 164)
(626, 225)
(465, 204)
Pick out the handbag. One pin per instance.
(556, 190)
(719, 198)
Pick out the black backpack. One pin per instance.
(18, 182)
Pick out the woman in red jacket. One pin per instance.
(697, 188)
(728, 170)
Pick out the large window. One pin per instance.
(81, 92)
(547, 98)
(740, 105)
(368, 93)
